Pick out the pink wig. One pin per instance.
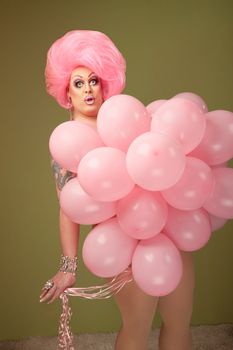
(86, 48)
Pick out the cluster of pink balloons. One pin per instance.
(153, 180)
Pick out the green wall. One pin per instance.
(170, 46)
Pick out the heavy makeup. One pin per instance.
(85, 95)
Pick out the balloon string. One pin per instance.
(105, 291)
(65, 336)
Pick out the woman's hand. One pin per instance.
(61, 281)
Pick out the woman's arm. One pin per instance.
(69, 237)
(69, 231)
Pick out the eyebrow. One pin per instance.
(80, 76)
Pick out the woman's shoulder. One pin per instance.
(62, 175)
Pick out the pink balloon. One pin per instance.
(142, 214)
(194, 98)
(81, 208)
(220, 203)
(221, 165)
(103, 175)
(121, 118)
(155, 161)
(153, 106)
(70, 141)
(188, 230)
(216, 146)
(181, 119)
(216, 222)
(193, 188)
(157, 265)
(107, 250)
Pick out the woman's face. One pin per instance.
(85, 92)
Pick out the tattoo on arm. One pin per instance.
(62, 176)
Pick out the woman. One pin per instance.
(83, 69)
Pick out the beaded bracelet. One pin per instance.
(68, 264)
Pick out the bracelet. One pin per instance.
(68, 264)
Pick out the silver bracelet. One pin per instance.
(68, 264)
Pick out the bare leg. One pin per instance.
(176, 311)
(137, 312)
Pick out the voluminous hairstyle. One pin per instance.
(90, 49)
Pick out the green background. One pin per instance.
(170, 47)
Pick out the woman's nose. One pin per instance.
(87, 88)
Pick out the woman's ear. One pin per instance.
(70, 105)
(69, 98)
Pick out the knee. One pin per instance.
(178, 325)
(138, 326)
(178, 338)
(129, 339)
(177, 319)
